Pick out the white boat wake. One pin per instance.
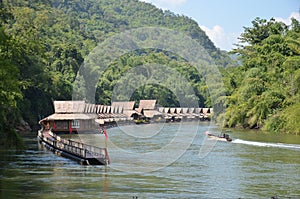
(265, 144)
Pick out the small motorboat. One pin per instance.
(223, 137)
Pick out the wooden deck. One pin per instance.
(84, 153)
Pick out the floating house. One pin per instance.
(69, 117)
(128, 109)
(75, 116)
(148, 109)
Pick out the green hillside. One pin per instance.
(44, 43)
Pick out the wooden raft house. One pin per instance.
(72, 117)
(78, 116)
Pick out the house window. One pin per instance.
(76, 124)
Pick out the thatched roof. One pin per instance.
(69, 116)
(205, 110)
(198, 110)
(129, 113)
(167, 110)
(125, 105)
(147, 104)
(185, 110)
(161, 109)
(69, 106)
(140, 110)
(90, 108)
(178, 110)
(173, 110)
(152, 113)
(79, 110)
(191, 110)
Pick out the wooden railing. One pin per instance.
(74, 147)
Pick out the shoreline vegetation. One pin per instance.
(44, 42)
(264, 91)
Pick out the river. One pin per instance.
(159, 161)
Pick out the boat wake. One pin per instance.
(265, 144)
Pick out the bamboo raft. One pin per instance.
(83, 153)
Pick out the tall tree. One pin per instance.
(270, 65)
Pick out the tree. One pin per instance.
(270, 70)
(10, 93)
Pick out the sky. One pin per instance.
(223, 20)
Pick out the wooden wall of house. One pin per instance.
(68, 125)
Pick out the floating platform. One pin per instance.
(82, 153)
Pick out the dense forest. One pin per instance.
(44, 42)
(264, 92)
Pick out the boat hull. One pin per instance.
(219, 138)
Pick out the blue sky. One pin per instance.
(223, 20)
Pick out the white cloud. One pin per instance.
(226, 41)
(221, 39)
(288, 20)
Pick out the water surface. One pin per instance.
(254, 165)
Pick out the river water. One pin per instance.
(159, 161)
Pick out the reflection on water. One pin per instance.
(243, 169)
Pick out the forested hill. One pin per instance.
(44, 42)
(95, 20)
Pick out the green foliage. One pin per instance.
(287, 121)
(165, 97)
(44, 42)
(264, 90)
(10, 92)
